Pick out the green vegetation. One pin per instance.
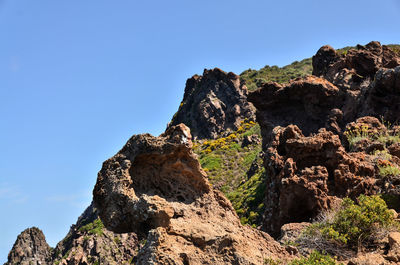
(255, 79)
(358, 134)
(248, 199)
(274, 73)
(385, 165)
(227, 164)
(270, 261)
(355, 223)
(315, 258)
(382, 158)
(395, 48)
(95, 228)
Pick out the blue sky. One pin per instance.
(78, 78)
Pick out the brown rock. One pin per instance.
(310, 103)
(30, 248)
(292, 231)
(356, 66)
(394, 149)
(156, 187)
(383, 96)
(213, 103)
(88, 242)
(305, 173)
(368, 259)
(394, 240)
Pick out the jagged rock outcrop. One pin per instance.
(310, 103)
(213, 103)
(383, 96)
(89, 242)
(306, 174)
(351, 68)
(302, 125)
(366, 77)
(155, 187)
(30, 248)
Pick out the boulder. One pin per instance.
(30, 248)
(213, 104)
(156, 187)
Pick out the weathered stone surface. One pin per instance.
(30, 248)
(292, 231)
(306, 161)
(367, 77)
(310, 103)
(213, 104)
(91, 244)
(156, 187)
(306, 173)
(349, 70)
(383, 96)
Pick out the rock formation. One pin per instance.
(354, 66)
(308, 173)
(88, 242)
(303, 123)
(155, 187)
(30, 248)
(310, 103)
(213, 103)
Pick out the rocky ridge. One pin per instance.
(213, 103)
(156, 187)
(30, 248)
(87, 242)
(330, 136)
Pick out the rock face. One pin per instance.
(89, 242)
(353, 67)
(155, 187)
(213, 103)
(308, 173)
(30, 248)
(302, 125)
(353, 73)
(310, 103)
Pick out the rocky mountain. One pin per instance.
(216, 185)
(30, 248)
(87, 242)
(213, 103)
(156, 187)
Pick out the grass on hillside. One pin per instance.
(254, 78)
(227, 163)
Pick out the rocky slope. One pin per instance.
(87, 242)
(213, 103)
(30, 248)
(307, 125)
(156, 187)
(325, 136)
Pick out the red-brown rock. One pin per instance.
(155, 187)
(213, 104)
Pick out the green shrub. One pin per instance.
(355, 223)
(386, 169)
(270, 261)
(315, 258)
(211, 162)
(357, 134)
(96, 227)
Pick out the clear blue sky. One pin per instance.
(78, 78)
